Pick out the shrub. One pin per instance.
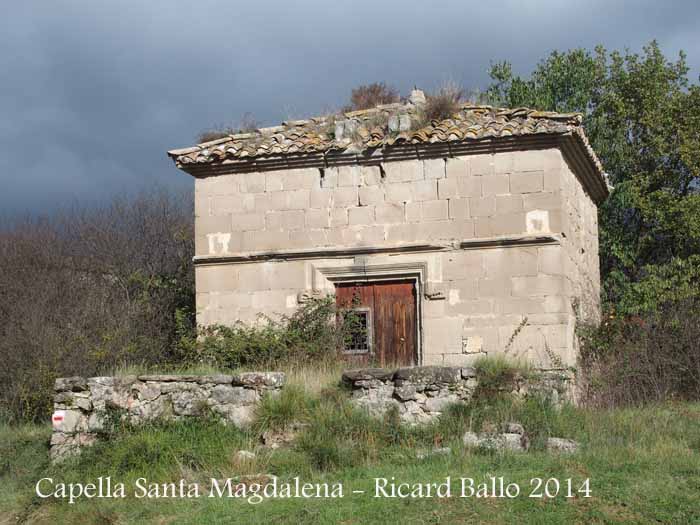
(371, 95)
(315, 332)
(633, 360)
(443, 103)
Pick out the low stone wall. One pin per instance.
(422, 393)
(81, 406)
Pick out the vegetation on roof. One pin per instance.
(248, 124)
(371, 95)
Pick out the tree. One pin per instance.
(89, 289)
(642, 117)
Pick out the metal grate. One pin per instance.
(360, 338)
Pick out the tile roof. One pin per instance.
(381, 128)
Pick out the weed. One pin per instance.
(514, 335)
(341, 443)
(278, 412)
(370, 95)
(247, 124)
(500, 371)
(440, 105)
(215, 134)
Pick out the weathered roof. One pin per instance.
(381, 129)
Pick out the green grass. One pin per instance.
(500, 369)
(643, 465)
(320, 375)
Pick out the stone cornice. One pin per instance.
(574, 148)
(333, 253)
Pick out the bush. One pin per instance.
(317, 331)
(443, 103)
(634, 360)
(370, 95)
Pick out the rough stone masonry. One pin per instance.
(81, 406)
(422, 393)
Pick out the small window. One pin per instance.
(361, 334)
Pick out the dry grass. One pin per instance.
(247, 124)
(310, 377)
(142, 369)
(443, 103)
(370, 95)
(314, 378)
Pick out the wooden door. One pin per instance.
(389, 309)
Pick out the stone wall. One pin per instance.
(467, 197)
(474, 297)
(580, 246)
(421, 394)
(82, 406)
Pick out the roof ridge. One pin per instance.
(360, 130)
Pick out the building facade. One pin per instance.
(453, 239)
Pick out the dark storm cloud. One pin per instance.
(93, 93)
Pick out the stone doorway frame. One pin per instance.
(362, 272)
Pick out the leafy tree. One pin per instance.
(642, 116)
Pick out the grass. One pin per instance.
(312, 379)
(500, 369)
(643, 464)
(442, 104)
(196, 370)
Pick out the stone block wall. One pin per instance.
(421, 394)
(469, 197)
(479, 297)
(82, 405)
(580, 246)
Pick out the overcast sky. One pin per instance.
(94, 93)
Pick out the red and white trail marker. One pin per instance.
(58, 417)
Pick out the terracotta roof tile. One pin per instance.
(381, 127)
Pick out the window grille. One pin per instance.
(361, 335)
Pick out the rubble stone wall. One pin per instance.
(82, 405)
(421, 394)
